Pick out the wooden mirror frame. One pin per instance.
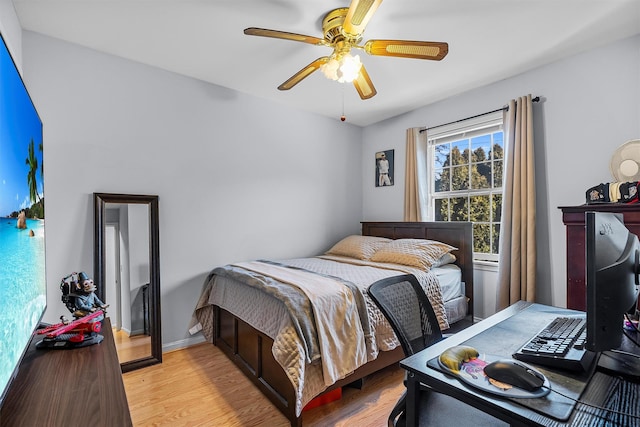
(100, 200)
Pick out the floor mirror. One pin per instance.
(127, 274)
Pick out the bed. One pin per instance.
(292, 362)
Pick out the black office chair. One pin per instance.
(407, 308)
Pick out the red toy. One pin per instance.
(78, 295)
(79, 333)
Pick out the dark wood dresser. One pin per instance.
(574, 220)
(78, 387)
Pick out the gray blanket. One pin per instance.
(297, 302)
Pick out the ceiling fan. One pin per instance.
(343, 29)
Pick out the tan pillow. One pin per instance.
(418, 253)
(359, 247)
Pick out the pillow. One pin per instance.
(418, 253)
(445, 259)
(359, 247)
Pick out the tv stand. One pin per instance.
(76, 387)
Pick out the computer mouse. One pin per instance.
(515, 373)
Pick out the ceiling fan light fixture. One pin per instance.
(343, 69)
(342, 30)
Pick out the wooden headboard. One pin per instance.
(458, 234)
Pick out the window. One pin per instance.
(466, 162)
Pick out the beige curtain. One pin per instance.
(414, 178)
(517, 271)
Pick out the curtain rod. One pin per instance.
(536, 99)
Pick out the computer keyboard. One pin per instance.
(559, 345)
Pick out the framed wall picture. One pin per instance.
(384, 168)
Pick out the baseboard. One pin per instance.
(187, 342)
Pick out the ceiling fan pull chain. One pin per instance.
(343, 117)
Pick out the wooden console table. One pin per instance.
(78, 387)
(573, 218)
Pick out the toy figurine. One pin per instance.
(79, 297)
(86, 300)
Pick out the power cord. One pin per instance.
(602, 408)
(632, 339)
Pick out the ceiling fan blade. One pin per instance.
(302, 74)
(263, 32)
(360, 12)
(407, 49)
(363, 84)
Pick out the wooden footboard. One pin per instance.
(250, 350)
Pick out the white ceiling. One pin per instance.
(489, 40)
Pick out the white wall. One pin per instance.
(589, 107)
(238, 177)
(485, 282)
(139, 267)
(139, 244)
(11, 31)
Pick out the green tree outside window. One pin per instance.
(467, 185)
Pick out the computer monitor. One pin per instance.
(613, 282)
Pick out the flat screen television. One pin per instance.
(23, 294)
(613, 282)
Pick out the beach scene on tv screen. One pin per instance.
(22, 248)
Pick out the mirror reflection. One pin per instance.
(127, 271)
(127, 278)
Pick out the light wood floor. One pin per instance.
(199, 386)
(131, 347)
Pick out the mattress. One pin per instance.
(450, 278)
(452, 288)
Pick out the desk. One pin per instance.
(502, 323)
(78, 387)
